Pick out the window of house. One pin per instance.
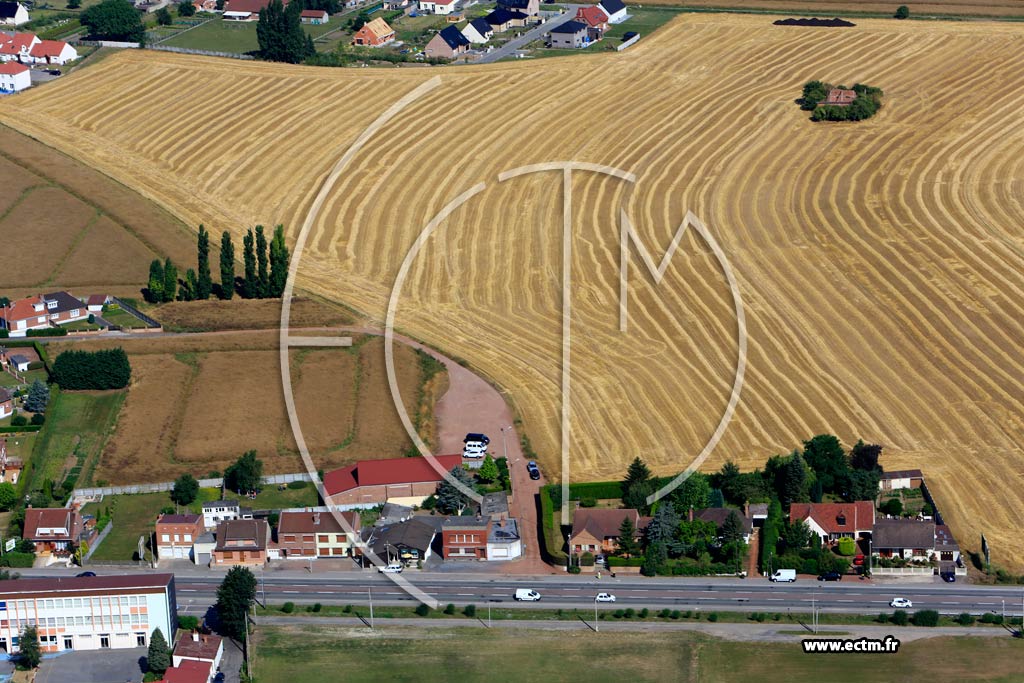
(74, 313)
(188, 538)
(165, 538)
(176, 538)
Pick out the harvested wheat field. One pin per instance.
(195, 404)
(99, 235)
(827, 8)
(881, 264)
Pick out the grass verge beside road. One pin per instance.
(465, 654)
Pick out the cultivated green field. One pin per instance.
(406, 654)
(236, 37)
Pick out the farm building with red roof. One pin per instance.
(405, 481)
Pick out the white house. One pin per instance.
(478, 31)
(615, 10)
(14, 77)
(13, 13)
(53, 52)
(437, 6)
(17, 47)
(217, 511)
(901, 479)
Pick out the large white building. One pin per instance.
(88, 613)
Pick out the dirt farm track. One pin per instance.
(881, 264)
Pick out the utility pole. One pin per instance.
(814, 612)
(370, 592)
(597, 629)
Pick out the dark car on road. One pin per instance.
(948, 577)
(532, 468)
(84, 574)
(830, 576)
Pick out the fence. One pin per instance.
(107, 43)
(208, 53)
(99, 539)
(632, 41)
(132, 489)
(903, 571)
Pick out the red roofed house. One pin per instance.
(10, 468)
(832, 521)
(95, 302)
(40, 312)
(55, 531)
(198, 647)
(308, 534)
(53, 52)
(315, 17)
(6, 403)
(241, 542)
(837, 97)
(175, 535)
(595, 19)
(190, 671)
(245, 10)
(405, 481)
(374, 34)
(17, 46)
(596, 530)
(14, 77)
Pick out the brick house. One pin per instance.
(405, 481)
(241, 542)
(40, 312)
(595, 19)
(465, 538)
(55, 531)
(832, 521)
(6, 403)
(448, 43)
(837, 97)
(596, 530)
(901, 479)
(198, 647)
(374, 34)
(175, 535)
(308, 534)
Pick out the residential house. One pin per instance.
(408, 541)
(832, 521)
(54, 531)
(17, 47)
(241, 542)
(494, 505)
(901, 479)
(176, 535)
(53, 52)
(217, 511)
(245, 10)
(758, 512)
(14, 77)
(41, 311)
(202, 549)
(6, 403)
(309, 534)
(20, 363)
(530, 8)
(205, 5)
(478, 31)
(316, 17)
(449, 43)
(406, 481)
(190, 671)
(374, 34)
(10, 468)
(502, 20)
(570, 35)
(909, 539)
(13, 14)
(595, 19)
(465, 538)
(198, 647)
(596, 530)
(504, 541)
(615, 9)
(67, 610)
(437, 6)
(392, 513)
(719, 515)
(94, 303)
(397, 4)
(838, 97)
(946, 546)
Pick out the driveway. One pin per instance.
(509, 48)
(93, 666)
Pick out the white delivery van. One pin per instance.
(527, 595)
(785, 575)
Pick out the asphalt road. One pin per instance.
(509, 48)
(558, 592)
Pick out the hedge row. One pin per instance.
(9, 429)
(48, 332)
(108, 369)
(16, 559)
(614, 561)
(552, 532)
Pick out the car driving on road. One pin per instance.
(392, 568)
(901, 602)
(605, 597)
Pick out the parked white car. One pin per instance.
(605, 597)
(393, 568)
(900, 602)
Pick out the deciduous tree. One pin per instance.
(245, 474)
(29, 651)
(114, 20)
(865, 456)
(186, 9)
(155, 288)
(163, 17)
(235, 596)
(488, 469)
(8, 496)
(186, 490)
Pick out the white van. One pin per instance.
(784, 575)
(474, 450)
(527, 595)
(392, 568)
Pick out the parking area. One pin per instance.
(93, 666)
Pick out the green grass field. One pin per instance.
(77, 426)
(267, 499)
(644, 21)
(479, 654)
(235, 37)
(7, 380)
(121, 318)
(132, 516)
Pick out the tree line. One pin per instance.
(866, 104)
(266, 270)
(98, 370)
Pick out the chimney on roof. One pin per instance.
(316, 518)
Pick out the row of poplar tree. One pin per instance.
(265, 264)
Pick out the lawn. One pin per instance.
(121, 318)
(235, 37)
(132, 516)
(267, 499)
(77, 426)
(443, 654)
(644, 21)
(7, 380)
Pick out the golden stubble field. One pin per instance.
(195, 404)
(880, 263)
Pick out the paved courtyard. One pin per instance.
(93, 666)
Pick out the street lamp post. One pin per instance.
(369, 591)
(597, 629)
(568, 542)
(504, 444)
